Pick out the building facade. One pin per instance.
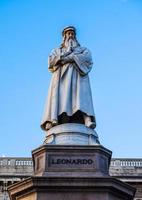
(13, 170)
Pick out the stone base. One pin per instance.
(71, 172)
(71, 160)
(61, 188)
(71, 134)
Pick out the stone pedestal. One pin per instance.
(71, 134)
(71, 161)
(61, 188)
(71, 172)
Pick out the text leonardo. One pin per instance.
(72, 161)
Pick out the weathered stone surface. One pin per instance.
(77, 188)
(125, 169)
(69, 160)
(71, 172)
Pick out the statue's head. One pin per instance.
(69, 37)
(67, 29)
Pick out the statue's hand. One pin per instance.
(67, 53)
(65, 60)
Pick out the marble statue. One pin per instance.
(69, 98)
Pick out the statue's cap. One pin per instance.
(68, 28)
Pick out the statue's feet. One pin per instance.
(54, 122)
(48, 126)
(90, 124)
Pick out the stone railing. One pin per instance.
(126, 162)
(10, 166)
(23, 162)
(11, 161)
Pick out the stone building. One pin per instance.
(13, 170)
(129, 171)
(16, 169)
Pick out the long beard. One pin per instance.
(69, 43)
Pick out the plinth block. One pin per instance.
(71, 160)
(71, 172)
(63, 188)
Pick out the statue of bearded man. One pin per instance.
(69, 98)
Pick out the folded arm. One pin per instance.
(83, 60)
(53, 60)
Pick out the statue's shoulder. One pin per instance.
(82, 49)
(86, 49)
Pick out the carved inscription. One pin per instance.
(70, 161)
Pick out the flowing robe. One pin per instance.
(69, 89)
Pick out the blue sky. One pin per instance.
(111, 29)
